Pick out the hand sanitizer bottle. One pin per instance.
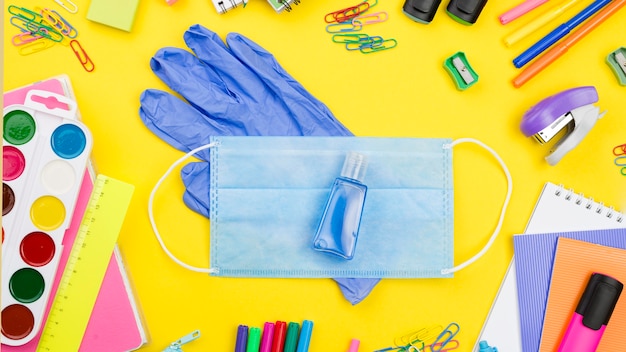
(338, 230)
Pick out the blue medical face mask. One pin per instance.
(268, 194)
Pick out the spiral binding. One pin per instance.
(589, 204)
(223, 6)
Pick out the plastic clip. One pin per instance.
(176, 345)
(462, 73)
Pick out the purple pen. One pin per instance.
(592, 314)
(242, 338)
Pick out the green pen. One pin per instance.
(291, 340)
(254, 340)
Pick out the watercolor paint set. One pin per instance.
(45, 152)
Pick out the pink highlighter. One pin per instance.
(592, 314)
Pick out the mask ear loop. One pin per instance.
(151, 213)
(496, 231)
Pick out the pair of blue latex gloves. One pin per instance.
(235, 88)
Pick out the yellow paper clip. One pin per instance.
(82, 56)
(446, 336)
(35, 46)
(424, 334)
(72, 6)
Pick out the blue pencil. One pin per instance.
(558, 33)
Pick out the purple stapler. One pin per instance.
(570, 114)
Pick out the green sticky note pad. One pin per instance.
(115, 13)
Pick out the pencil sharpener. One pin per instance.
(563, 119)
(617, 61)
(422, 11)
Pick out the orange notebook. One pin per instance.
(574, 262)
(115, 323)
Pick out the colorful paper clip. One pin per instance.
(176, 345)
(343, 27)
(445, 337)
(349, 37)
(24, 38)
(386, 44)
(357, 45)
(60, 23)
(347, 13)
(72, 8)
(82, 56)
(619, 150)
(35, 46)
(371, 18)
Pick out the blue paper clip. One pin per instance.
(343, 27)
(445, 337)
(176, 345)
(379, 46)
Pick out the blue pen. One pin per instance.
(305, 336)
(558, 33)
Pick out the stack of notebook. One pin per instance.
(568, 237)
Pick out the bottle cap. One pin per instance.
(354, 166)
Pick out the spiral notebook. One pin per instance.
(558, 209)
(223, 6)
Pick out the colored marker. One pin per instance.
(242, 338)
(558, 33)
(538, 22)
(544, 61)
(278, 342)
(305, 336)
(592, 314)
(254, 339)
(520, 10)
(266, 339)
(291, 340)
(354, 345)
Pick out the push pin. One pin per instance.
(176, 345)
(570, 114)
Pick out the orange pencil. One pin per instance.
(561, 48)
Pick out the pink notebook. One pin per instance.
(115, 323)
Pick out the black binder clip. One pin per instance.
(422, 11)
(465, 11)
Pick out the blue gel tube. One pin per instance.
(338, 230)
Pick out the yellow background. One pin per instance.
(400, 92)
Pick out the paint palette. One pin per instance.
(44, 155)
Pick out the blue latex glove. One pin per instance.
(237, 88)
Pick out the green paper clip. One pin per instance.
(617, 62)
(462, 73)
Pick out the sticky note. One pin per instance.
(115, 13)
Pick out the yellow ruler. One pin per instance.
(86, 265)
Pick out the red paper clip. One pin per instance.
(82, 56)
(347, 14)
